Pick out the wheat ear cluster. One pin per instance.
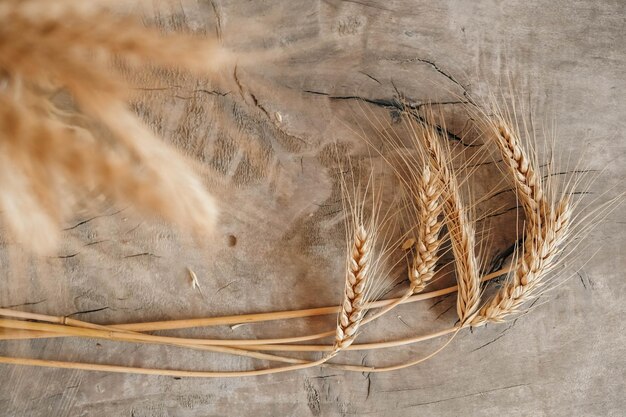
(546, 228)
(461, 232)
(437, 201)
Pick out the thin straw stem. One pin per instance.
(151, 371)
(283, 315)
(140, 338)
(210, 321)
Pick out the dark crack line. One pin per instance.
(225, 286)
(498, 260)
(576, 171)
(467, 395)
(95, 310)
(434, 66)
(93, 218)
(199, 90)
(368, 5)
(445, 311)
(440, 71)
(141, 254)
(32, 303)
(238, 83)
(210, 92)
(500, 336)
(395, 104)
(442, 400)
(534, 302)
(403, 322)
(67, 256)
(505, 211)
(134, 228)
(257, 104)
(324, 376)
(96, 242)
(390, 104)
(394, 286)
(157, 88)
(508, 190)
(370, 77)
(438, 302)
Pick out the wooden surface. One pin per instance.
(269, 128)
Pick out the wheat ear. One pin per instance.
(352, 308)
(545, 229)
(460, 229)
(428, 193)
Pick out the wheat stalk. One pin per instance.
(228, 320)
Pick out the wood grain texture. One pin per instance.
(269, 131)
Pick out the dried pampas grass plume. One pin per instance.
(55, 153)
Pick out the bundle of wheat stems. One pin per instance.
(51, 155)
(437, 201)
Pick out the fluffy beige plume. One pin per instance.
(54, 155)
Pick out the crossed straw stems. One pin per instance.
(47, 326)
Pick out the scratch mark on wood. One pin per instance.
(33, 303)
(142, 254)
(93, 218)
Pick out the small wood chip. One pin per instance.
(194, 281)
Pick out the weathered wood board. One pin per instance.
(269, 129)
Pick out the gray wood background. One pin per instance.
(268, 128)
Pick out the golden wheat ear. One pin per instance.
(353, 305)
(426, 135)
(428, 212)
(545, 228)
